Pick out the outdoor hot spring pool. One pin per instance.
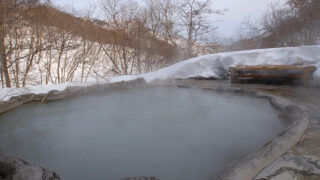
(170, 133)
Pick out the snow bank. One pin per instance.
(7, 93)
(208, 66)
(217, 65)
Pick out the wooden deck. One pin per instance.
(271, 74)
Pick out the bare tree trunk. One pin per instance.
(189, 40)
(30, 58)
(39, 65)
(4, 62)
(48, 68)
(125, 61)
(93, 61)
(139, 48)
(59, 59)
(3, 57)
(17, 74)
(83, 59)
(2, 80)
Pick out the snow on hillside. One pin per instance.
(208, 66)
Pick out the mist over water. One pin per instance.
(170, 133)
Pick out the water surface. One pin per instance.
(170, 133)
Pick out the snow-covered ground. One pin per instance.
(208, 66)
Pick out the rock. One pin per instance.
(315, 120)
(74, 89)
(1, 154)
(290, 167)
(28, 173)
(291, 113)
(18, 169)
(291, 174)
(284, 176)
(293, 109)
(6, 170)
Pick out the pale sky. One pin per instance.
(238, 10)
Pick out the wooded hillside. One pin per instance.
(295, 24)
(41, 44)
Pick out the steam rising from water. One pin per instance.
(170, 133)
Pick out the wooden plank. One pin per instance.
(275, 67)
(271, 73)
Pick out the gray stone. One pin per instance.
(315, 120)
(28, 173)
(290, 167)
(18, 169)
(1, 154)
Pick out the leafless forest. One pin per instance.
(296, 24)
(42, 44)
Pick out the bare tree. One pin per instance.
(11, 11)
(120, 16)
(161, 18)
(42, 45)
(194, 19)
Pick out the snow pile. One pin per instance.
(208, 66)
(217, 65)
(7, 93)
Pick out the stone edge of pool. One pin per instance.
(246, 169)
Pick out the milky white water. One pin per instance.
(170, 133)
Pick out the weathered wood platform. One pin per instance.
(271, 74)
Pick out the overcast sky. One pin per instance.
(238, 10)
